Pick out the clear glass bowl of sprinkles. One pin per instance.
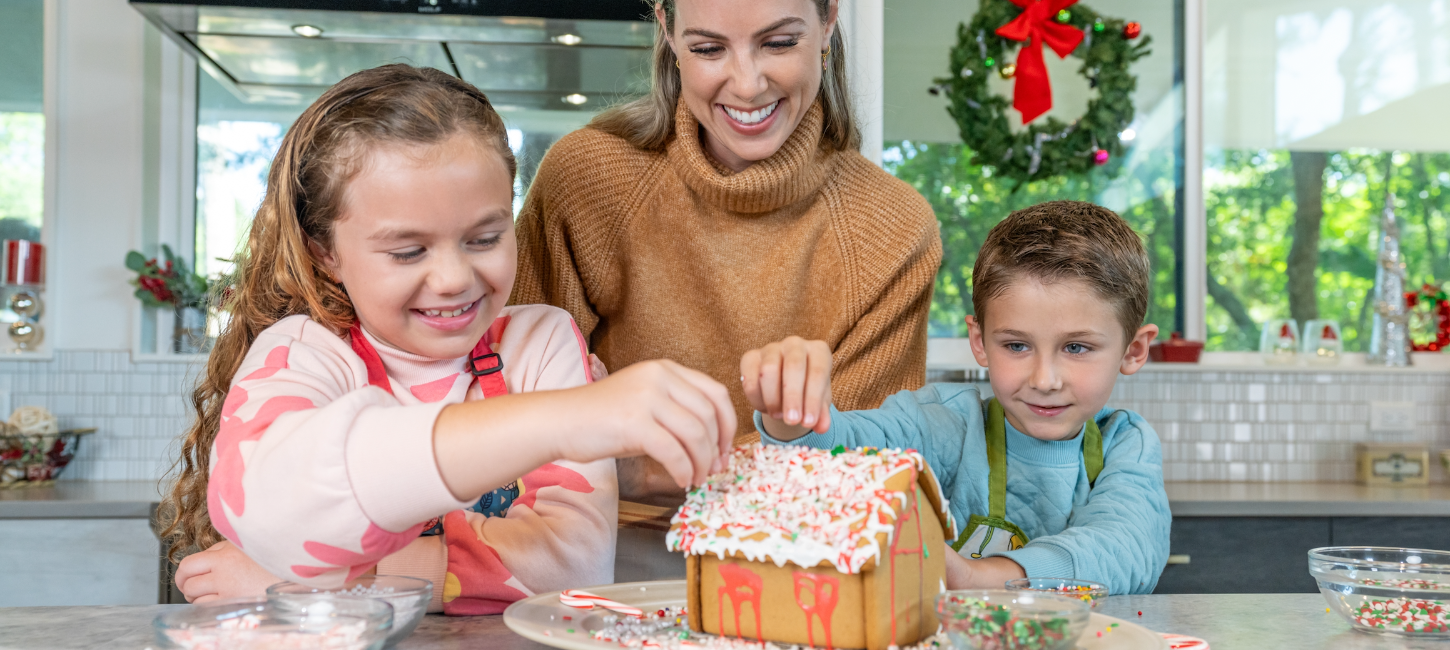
(1089, 592)
(1017, 620)
(408, 596)
(1395, 591)
(332, 622)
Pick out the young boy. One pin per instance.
(1046, 482)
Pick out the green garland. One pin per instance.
(1048, 148)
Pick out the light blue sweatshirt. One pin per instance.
(1115, 533)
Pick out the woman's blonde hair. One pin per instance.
(648, 123)
(277, 275)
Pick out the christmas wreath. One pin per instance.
(1430, 310)
(1107, 47)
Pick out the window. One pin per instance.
(22, 119)
(1314, 114)
(923, 148)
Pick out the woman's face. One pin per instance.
(749, 70)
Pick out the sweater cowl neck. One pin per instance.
(793, 173)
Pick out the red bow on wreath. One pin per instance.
(1032, 94)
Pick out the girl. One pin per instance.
(371, 380)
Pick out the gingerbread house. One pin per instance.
(833, 549)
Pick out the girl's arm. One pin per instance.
(317, 475)
(1119, 536)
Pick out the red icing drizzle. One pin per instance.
(911, 513)
(738, 580)
(824, 590)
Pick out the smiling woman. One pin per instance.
(730, 208)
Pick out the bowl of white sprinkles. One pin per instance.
(409, 598)
(1395, 591)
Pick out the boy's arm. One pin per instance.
(1119, 537)
(940, 421)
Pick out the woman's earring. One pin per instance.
(825, 55)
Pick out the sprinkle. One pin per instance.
(1100, 634)
(570, 630)
(1140, 612)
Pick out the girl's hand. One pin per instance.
(790, 384)
(222, 571)
(678, 416)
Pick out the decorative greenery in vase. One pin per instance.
(169, 282)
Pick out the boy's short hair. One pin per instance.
(1066, 240)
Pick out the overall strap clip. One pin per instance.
(496, 366)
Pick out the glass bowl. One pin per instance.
(1089, 592)
(1000, 619)
(408, 596)
(1394, 591)
(332, 622)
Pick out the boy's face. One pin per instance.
(1054, 352)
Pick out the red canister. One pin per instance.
(23, 262)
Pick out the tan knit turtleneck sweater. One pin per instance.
(666, 255)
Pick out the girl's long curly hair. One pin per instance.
(277, 274)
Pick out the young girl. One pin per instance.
(372, 405)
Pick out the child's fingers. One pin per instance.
(770, 367)
(200, 586)
(194, 565)
(750, 379)
(719, 396)
(817, 407)
(794, 366)
(662, 446)
(693, 437)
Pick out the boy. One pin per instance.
(1046, 481)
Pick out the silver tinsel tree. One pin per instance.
(1389, 342)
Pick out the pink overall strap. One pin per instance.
(483, 364)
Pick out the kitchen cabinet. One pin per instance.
(1228, 555)
(77, 562)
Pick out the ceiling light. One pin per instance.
(568, 39)
(575, 99)
(307, 31)
(1128, 135)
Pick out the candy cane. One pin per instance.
(1181, 642)
(580, 599)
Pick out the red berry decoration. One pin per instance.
(1132, 30)
(1100, 157)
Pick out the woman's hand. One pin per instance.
(222, 571)
(678, 416)
(790, 384)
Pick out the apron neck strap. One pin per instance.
(1092, 456)
(483, 363)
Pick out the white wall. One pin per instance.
(97, 216)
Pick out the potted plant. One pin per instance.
(168, 282)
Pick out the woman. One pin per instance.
(730, 208)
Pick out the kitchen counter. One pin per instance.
(1306, 500)
(135, 499)
(81, 500)
(1227, 622)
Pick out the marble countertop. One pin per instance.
(1226, 621)
(81, 500)
(1306, 500)
(135, 499)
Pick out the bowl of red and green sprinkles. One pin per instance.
(1011, 620)
(1089, 592)
(1394, 591)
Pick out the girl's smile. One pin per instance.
(449, 319)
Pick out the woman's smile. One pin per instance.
(751, 121)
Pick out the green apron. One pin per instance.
(993, 533)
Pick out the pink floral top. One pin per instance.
(319, 476)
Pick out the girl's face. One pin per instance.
(749, 70)
(425, 245)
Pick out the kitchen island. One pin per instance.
(1227, 622)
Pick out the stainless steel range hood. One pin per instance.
(570, 55)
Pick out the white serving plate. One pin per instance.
(540, 618)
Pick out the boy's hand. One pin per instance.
(222, 571)
(986, 573)
(790, 384)
(678, 416)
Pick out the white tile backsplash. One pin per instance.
(1277, 426)
(138, 409)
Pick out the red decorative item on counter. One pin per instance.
(1438, 303)
(1132, 30)
(24, 262)
(1175, 350)
(1035, 26)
